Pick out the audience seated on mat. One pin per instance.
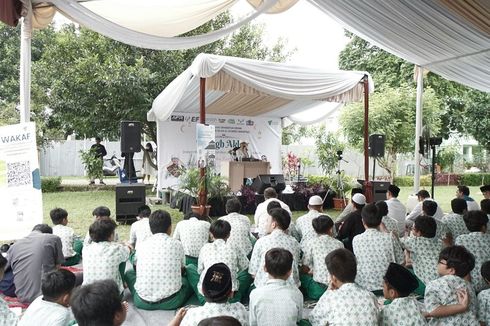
(291, 230)
(7, 317)
(240, 236)
(140, 230)
(193, 233)
(99, 212)
(388, 224)
(303, 223)
(72, 247)
(429, 208)
(396, 209)
(484, 296)
(454, 220)
(353, 222)
(261, 215)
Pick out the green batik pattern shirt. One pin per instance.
(442, 230)
(484, 306)
(66, 235)
(402, 312)
(7, 316)
(374, 251)
(304, 226)
(350, 305)
(478, 244)
(211, 309)
(193, 234)
(455, 224)
(240, 232)
(159, 273)
(391, 224)
(442, 292)
(101, 261)
(140, 230)
(314, 252)
(424, 253)
(220, 251)
(277, 239)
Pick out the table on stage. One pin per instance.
(236, 171)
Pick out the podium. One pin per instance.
(237, 171)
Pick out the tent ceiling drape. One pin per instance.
(237, 86)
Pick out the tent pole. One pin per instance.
(25, 65)
(367, 185)
(202, 119)
(419, 72)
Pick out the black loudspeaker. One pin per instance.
(379, 189)
(377, 145)
(129, 197)
(263, 181)
(130, 136)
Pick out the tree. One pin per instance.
(392, 113)
(328, 147)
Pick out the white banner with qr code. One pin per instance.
(20, 181)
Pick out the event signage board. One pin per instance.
(177, 142)
(20, 181)
(206, 145)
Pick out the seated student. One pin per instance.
(277, 302)
(261, 214)
(219, 321)
(99, 212)
(98, 303)
(424, 248)
(72, 248)
(463, 192)
(353, 222)
(7, 317)
(39, 252)
(303, 223)
(374, 251)
(193, 233)
(140, 230)
(485, 207)
(102, 258)
(276, 238)
(52, 308)
(478, 243)
(314, 277)
(158, 283)
(220, 251)
(217, 289)
(292, 231)
(403, 310)
(484, 296)
(429, 208)
(345, 302)
(348, 209)
(396, 209)
(450, 300)
(240, 236)
(454, 221)
(422, 196)
(388, 224)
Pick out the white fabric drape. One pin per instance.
(423, 32)
(89, 19)
(274, 79)
(315, 115)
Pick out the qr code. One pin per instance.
(19, 174)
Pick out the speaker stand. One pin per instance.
(374, 167)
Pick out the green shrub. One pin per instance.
(323, 180)
(474, 179)
(50, 184)
(407, 181)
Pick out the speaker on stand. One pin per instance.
(376, 149)
(263, 181)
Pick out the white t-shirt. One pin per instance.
(45, 313)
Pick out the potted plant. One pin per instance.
(341, 188)
(93, 164)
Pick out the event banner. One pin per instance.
(177, 148)
(20, 181)
(206, 145)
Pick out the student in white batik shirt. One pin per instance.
(424, 248)
(240, 226)
(261, 215)
(277, 238)
(103, 259)
(403, 309)
(158, 284)
(219, 251)
(345, 302)
(303, 223)
(7, 316)
(484, 296)
(72, 248)
(450, 300)
(454, 221)
(388, 224)
(99, 212)
(193, 233)
(478, 243)
(314, 274)
(217, 289)
(374, 251)
(422, 196)
(429, 208)
(396, 209)
(140, 230)
(277, 302)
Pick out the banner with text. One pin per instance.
(177, 142)
(20, 181)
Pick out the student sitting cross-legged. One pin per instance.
(430, 208)
(217, 289)
(388, 224)
(157, 283)
(484, 296)
(314, 274)
(104, 258)
(240, 236)
(403, 309)
(345, 302)
(450, 300)
(52, 308)
(374, 251)
(97, 213)
(140, 230)
(98, 303)
(220, 251)
(72, 247)
(193, 233)
(277, 302)
(454, 221)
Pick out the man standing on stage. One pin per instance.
(100, 152)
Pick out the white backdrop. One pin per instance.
(177, 138)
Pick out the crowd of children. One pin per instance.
(363, 271)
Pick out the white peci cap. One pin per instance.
(315, 201)
(359, 199)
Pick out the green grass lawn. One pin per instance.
(80, 205)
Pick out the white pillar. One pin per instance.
(418, 125)
(25, 65)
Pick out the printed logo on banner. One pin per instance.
(240, 122)
(176, 118)
(231, 121)
(222, 120)
(250, 123)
